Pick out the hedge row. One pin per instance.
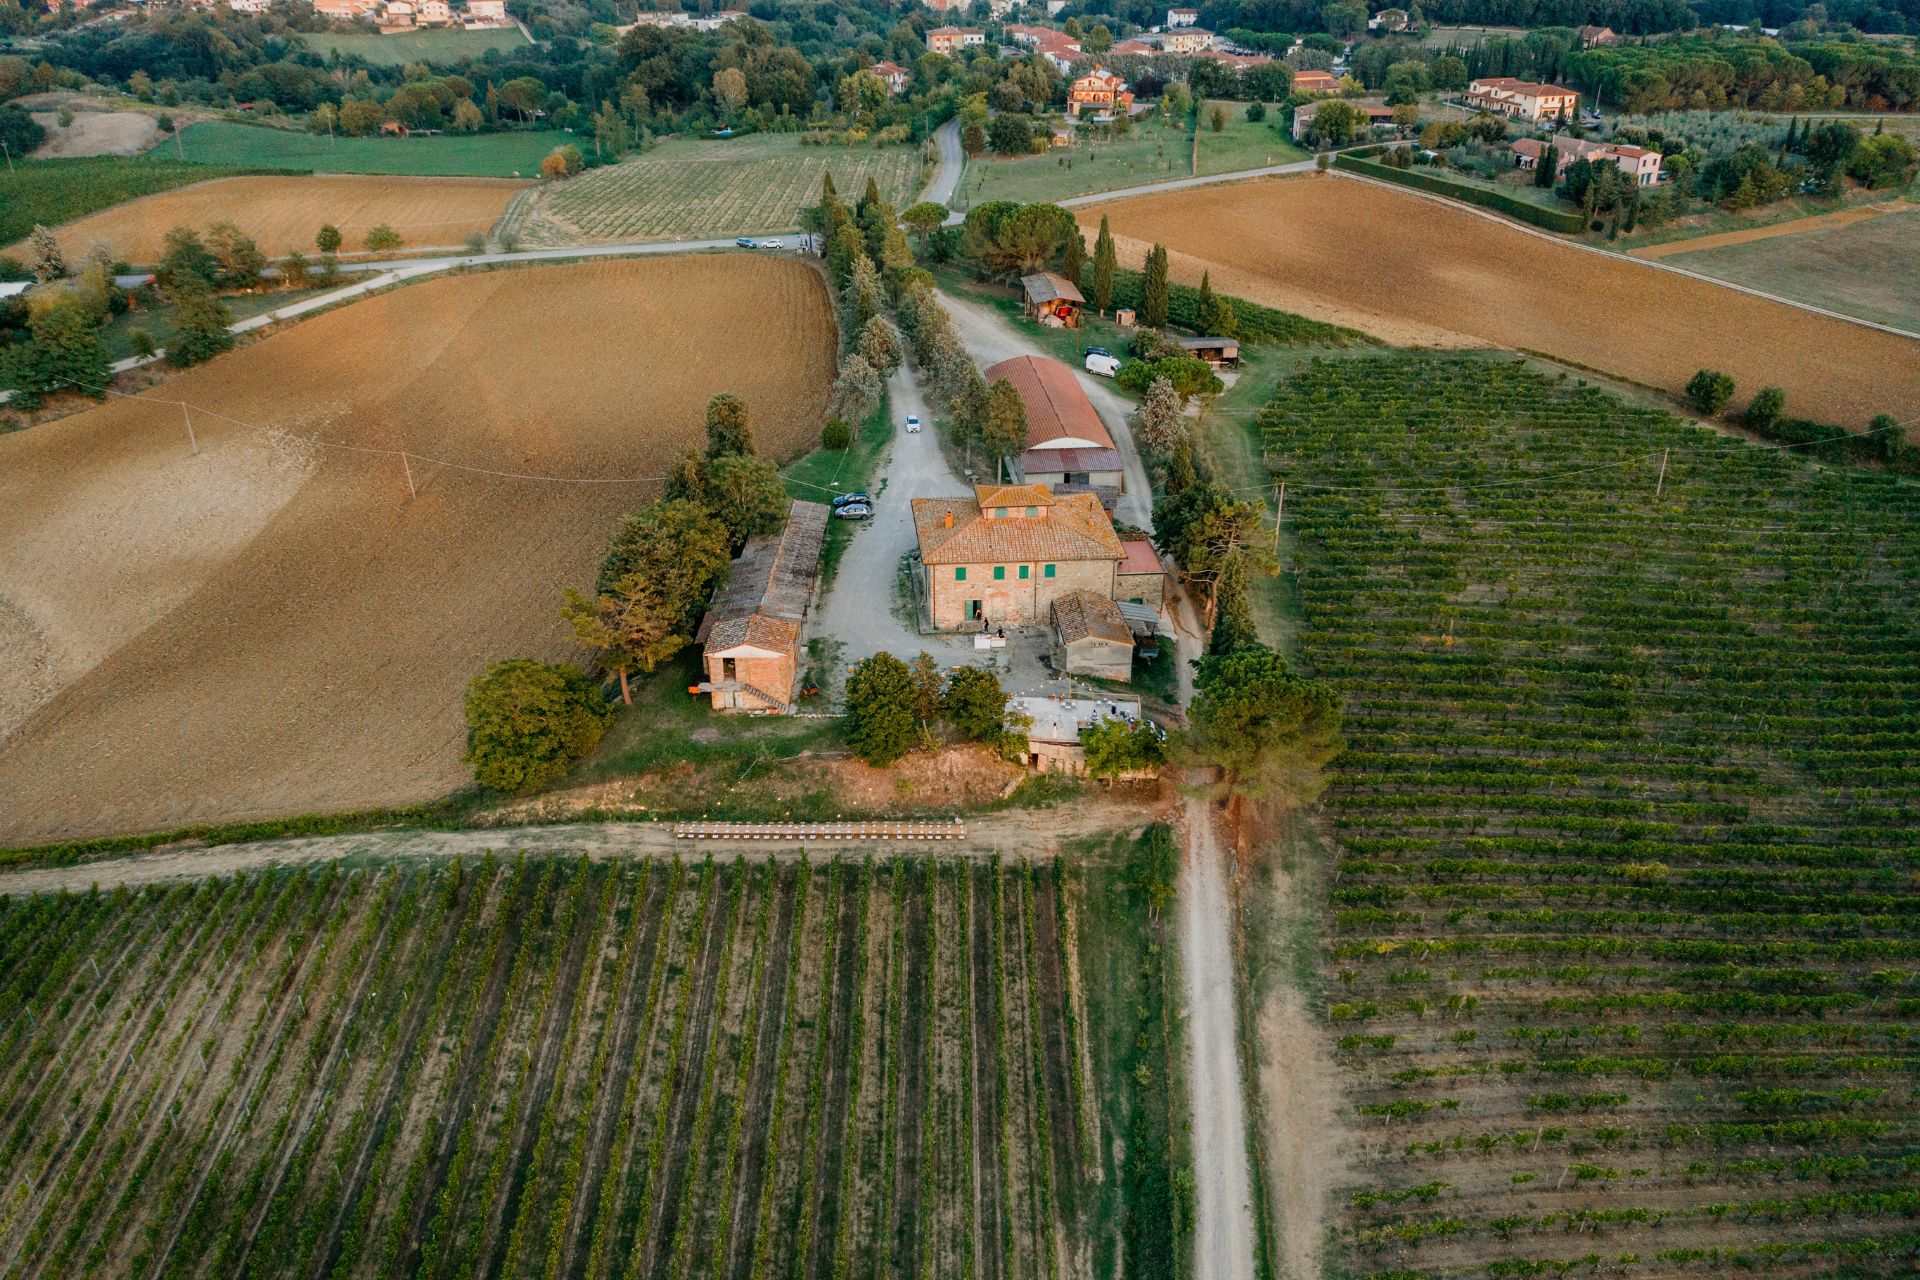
(1559, 220)
(1255, 323)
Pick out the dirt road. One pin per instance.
(1016, 833)
(1224, 1239)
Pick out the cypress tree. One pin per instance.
(1103, 266)
(1153, 289)
(1543, 171)
(1073, 262)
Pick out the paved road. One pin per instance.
(953, 162)
(991, 339)
(856, 610)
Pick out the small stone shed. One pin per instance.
(750, 636)
(1091, 636)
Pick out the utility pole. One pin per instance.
(1661, 483)
(1279, 513)
(9, 151)
(192, 442)
(408, 467)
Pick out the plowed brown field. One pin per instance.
(1415, 270)
(274, 626)
(282, 214)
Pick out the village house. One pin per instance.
(1376, 112)
(1522, 99)
(1054, 726)
(396, 15)
(1388, 20)
(1090, 636)
(1068, 446)
(1315, 82)
(1186, 40)
(1131, 48)
(1141, 579)
(432, 13)
(951, 40)
(1100, 94)
(1235, 61)
(716, 20)
(750, 636)
(1182, 18)
(1057, 47)
(1592, 37)
(1000, 555)
(1638, 163)
(482, 14)
(896, 77)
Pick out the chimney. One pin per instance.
(949, 520)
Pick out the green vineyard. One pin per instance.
(1625, 932)
(563, 1069)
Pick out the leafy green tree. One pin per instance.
(1009, 239)
(20, 133)
(929, 689)
(1153, 288)
(836, 434)
(1156, 869)
(1270, 732)
(1709, 390)
(973, 138)
(1335, 123)
(295, 271)
(1766, 408)
(1011, 133)
(1073, 258)
(746, 495)
(1188, 376)
(880, 702)
(200, 323)
(1212, 535)
(48, 262)
(1546, 168)
(239, 257)
(1256, 111)
(527, 721)
(925, 218)
(971, 408)
(1213, 313)
(975, 704)
(185, 260)
(1105, 260)
(64, 353)
(879, 343)
(1159, 421)
(382, 238)
(1217, 118)
(676, 541)
(1115, 747)
(727, 430)
(1233, 625)
(1004, 434)
(328, 238)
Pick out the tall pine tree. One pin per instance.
(1104, 261)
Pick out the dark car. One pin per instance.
(854, 511)
(845, 498)
(744, 242)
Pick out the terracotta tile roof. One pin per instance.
(1011, 495)
(1080, 614)
(770, 586)
(1057, 407)
(1047, 461)
(1069, 527)
(1141, 557)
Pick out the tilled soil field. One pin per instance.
(1421, 272)
(283, 214)
(275, 625)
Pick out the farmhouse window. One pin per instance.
(1047, 572)
(1033, 511)
(960, 574)
(1023, 573)
(999, 573)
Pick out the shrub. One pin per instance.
(141, 341)
(879, 721)
(836, 434)
(1709, 390)
(527, 721)
(1766, 408)
(382, 238)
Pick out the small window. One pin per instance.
(960, 574)
(999, 573)
(1047, 572)
(1023, 573)
(999, 513)
(1033, 511)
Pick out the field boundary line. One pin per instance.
(1650, 263)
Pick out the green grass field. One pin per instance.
(439, 46)
(49, 192)
(487, 155)
(1154, 151)
(1864, 270)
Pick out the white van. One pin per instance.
(1102, 362)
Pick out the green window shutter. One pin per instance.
(1023, 573)
(1033, 511)
(999, 572)
(1049, 571)
(960, 574)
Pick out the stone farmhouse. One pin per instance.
(1068, 447)
(1522, 99)
(895, 76)
(952, 40)
(1100, 94)
(1638, 163)
(750, 636)
(1000, 555)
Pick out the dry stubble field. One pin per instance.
(274, 627)
(283, 214)
(1420, 272)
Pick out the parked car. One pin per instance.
(1102, 361)
(843, 499)
(771, 244)
(913, 423)
(854, 511)
(744, 242)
